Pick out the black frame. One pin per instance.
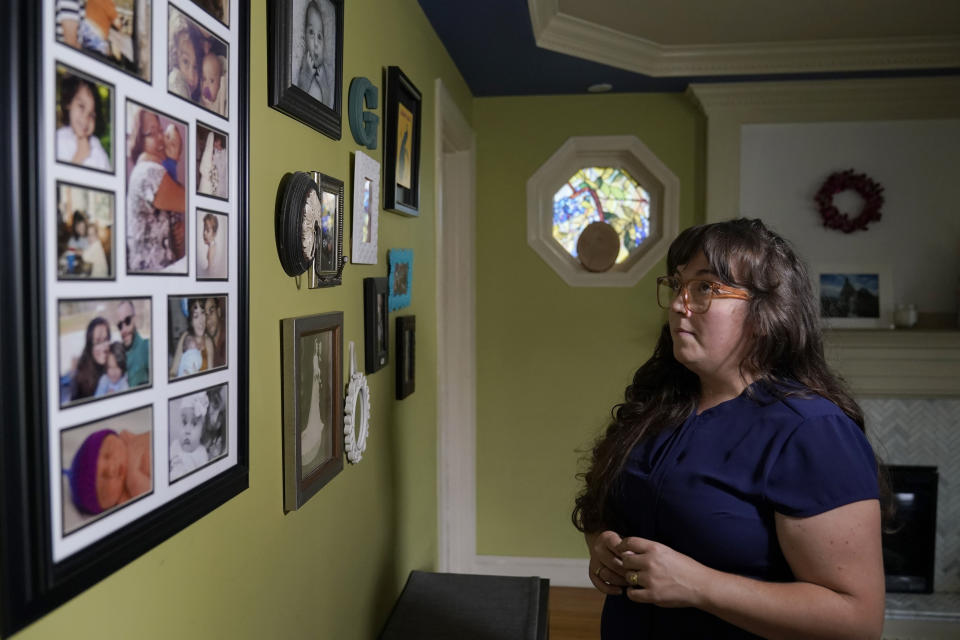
(31, 584)
(375, 356)
(296, 490)
(396, 197)
(285, 95)
(406, 340)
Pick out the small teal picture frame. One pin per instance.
(400, 280)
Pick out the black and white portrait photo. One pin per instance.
(314, 54)
(306, 62)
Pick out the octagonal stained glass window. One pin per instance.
(601, 194)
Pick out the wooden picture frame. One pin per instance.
(854, 296)
(401, 156)
(58, 534)
(376, 330)
(406, 356)
(366, 209)
(313, 403)
(309, 93)
(400, 278)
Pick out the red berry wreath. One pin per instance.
(870, 191)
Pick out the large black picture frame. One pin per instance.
(401, 153)
(32, 583)
(286, 94)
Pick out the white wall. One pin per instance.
(916, 161)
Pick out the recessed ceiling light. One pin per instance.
(600, 87)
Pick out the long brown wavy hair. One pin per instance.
(785, 356)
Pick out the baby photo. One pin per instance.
(106, 465)
(197, 335)
(104, 347)
(219, 9)
(197, 63)
(84, 120)
(156, 205)
(313, 57)
(116, 32)
(212, 240)
(213, 163)
(84, 233)
(197, 430)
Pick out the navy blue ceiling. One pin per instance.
(491, 42)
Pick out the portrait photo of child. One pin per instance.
(197, 63)
(117, 32)
(197, 430)
(314, 55)
(104, 347)
(156, 206)
(213, 163)
(85, 218)
(107, 464)
(84, 120)
(212, 241)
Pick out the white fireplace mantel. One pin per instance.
(896, 362)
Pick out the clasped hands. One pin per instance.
(645, 570)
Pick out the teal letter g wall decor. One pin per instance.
(363, 124)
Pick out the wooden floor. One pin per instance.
(575, 613)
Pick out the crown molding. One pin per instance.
(892, 98)
(567, 34)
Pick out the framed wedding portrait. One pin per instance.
(401, 155)
(312, 405)
(124, 254)
(305, 62)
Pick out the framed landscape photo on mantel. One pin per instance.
(855, 296)
(124, 254)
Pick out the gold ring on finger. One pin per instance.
(597, 572)
(633, 578)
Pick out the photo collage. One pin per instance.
(141, 267)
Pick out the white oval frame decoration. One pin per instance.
(358, 395)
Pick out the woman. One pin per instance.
(93, 360)
(155, 202)
(193, 339)
(734, 494)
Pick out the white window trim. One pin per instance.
(628, 153)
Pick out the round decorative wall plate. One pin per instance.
(598, 247)
(298, 221)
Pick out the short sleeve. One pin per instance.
(825, 463)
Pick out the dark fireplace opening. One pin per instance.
(910, 537)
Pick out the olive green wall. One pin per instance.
(334, 568)
(553, 359)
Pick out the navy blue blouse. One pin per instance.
(709, 489)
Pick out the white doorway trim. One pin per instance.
(455, 155)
